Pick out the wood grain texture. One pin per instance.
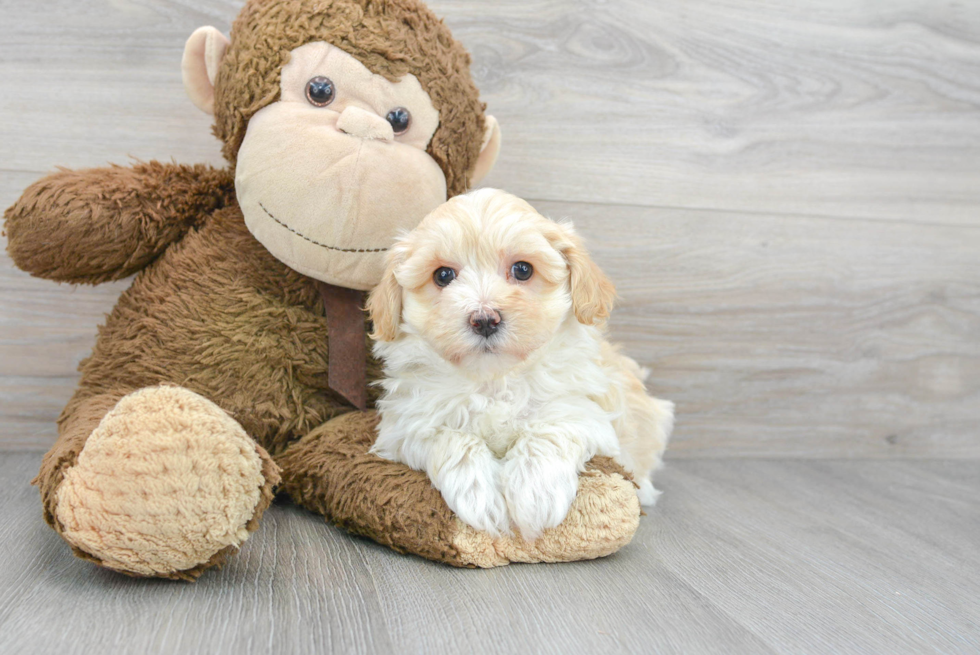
(830, 107)
(827, 306)
(747, 556)
(790, 336)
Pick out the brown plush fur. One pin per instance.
(104, 224)
(390, 37)
(219, 315)
(212, 311)
(331, 472)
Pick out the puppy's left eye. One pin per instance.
(443, 276)
(522, 271)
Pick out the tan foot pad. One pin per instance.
(165, 482)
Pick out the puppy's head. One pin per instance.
(486, 281)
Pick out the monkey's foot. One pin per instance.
(602, 519)
(167, 485)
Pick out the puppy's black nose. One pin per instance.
(485, 323)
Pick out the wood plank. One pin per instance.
(868, 109)
(739, 556)
(776, 335)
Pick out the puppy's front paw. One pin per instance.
(538, 493)
(473, 493)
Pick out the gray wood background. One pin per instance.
(788, 197)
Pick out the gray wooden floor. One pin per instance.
(740, 556)
(787, 195)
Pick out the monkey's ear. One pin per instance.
(488, 152)
(202, 55)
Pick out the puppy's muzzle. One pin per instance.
(485, 323)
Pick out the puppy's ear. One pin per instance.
(384, 305)
(592, 292)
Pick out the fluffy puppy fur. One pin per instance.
(501, 389)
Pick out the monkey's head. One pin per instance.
(347, 121)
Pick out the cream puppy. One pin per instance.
(499, 383)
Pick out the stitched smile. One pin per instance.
(317, 243)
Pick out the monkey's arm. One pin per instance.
(331, 471)
(101, 224)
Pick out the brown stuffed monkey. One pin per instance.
(344, 122)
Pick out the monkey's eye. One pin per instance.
(320, 91)
(400, 119)
(443, 276)
(522, 271)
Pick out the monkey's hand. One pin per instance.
(101, 224)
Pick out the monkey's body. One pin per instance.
(220, 316)
(208, 384)
(214, 313)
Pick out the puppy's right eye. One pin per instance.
(443, 276)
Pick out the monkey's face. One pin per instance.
(333, 171)
(339, 148)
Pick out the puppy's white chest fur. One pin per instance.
(425, 395)
(501, 410)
